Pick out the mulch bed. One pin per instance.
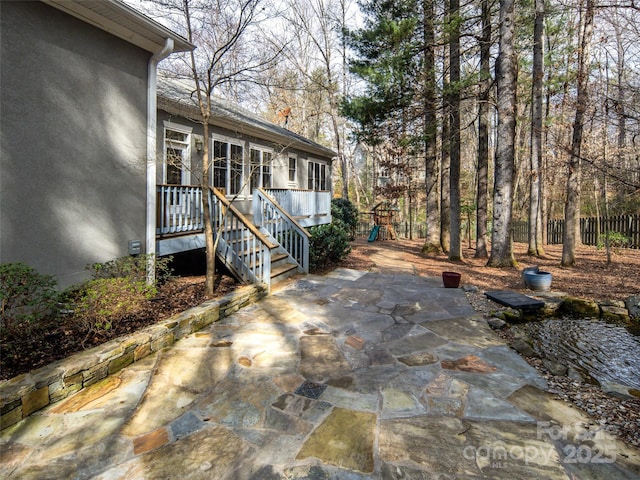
(29, 346)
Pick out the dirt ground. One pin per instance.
(590, 278)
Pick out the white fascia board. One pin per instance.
(122, 21)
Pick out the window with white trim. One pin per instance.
(293, 168)
(177, 154)
(317, 176)
(261, 168)
(228, 166)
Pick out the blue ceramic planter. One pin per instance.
(537, 280)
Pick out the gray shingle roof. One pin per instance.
(179, 96)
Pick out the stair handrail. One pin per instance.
(248, 258)
(297, 251)
(263, 238)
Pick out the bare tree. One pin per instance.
(432, 240)
(455, 248)
(312, 52)
(571, 234)
(535, 193)
(223, 57)
(483, 132)
(506, 77)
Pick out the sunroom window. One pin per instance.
(227, 171)
(177, 156)
(261, 168)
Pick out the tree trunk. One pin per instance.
(445, 159)
(535, 234)
(455, 250)
(210, 248)
(571, 236)
(432, 240)
(483, 133)
(506, 73)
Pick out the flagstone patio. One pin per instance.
(352, 375)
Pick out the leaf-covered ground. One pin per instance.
(590, 278)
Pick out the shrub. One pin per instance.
(119, 288)
(346, 212)
(102, 302)
(25, 294)
(329, 244)
(132, 267)
(617, 240)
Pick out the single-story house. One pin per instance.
(253, 162)
(88, 170)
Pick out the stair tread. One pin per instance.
(279, 270)
(275, 257)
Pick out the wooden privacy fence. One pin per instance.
(627, 225)
(592, 230)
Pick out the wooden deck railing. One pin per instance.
(282, 227)
(244, 249)
(179, 209)
(309, 206)
(241, 246)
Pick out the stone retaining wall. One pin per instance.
(30, 392)
(557, 303)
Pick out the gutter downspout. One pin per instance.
(152, 115)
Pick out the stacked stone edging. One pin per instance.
(27, 393)
(557, 303)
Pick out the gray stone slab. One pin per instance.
(396, 331)
(186, 424)
(352, 399)
(415, 343)
(466, 330)
(370, 380)
(346, 274)
(437, 444)
(481, 405)
(515, 300)
(513, 364)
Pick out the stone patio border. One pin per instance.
(27, 393)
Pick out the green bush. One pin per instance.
(346, 212)
(329, 244)
(132, 267)
(616, 240)
(119, 288)
(25, 294)
(102, 302)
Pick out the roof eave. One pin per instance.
(123, 21)
(178, 108)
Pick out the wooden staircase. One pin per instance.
(268, 250)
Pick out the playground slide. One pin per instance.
(374, 233)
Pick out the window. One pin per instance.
(220, 165)
(293, 169)
(317, 176)
(228, 166)
(261, 165)
(177, 154)
(255, 169)
(235, 185)
(323, 177)
(267, 162)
